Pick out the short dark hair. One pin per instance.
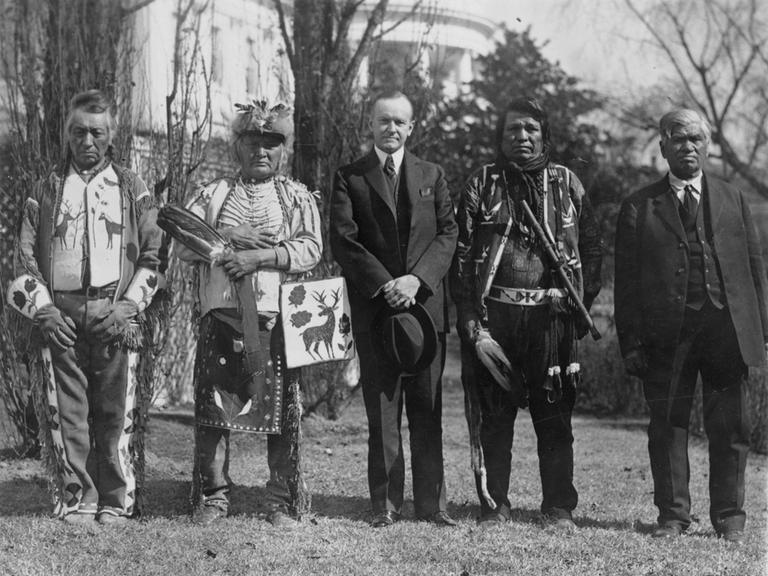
(527, 105)
(94, 102)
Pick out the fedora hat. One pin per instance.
(406, 339)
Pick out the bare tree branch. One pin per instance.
(289, 51)
(374, 21)
(131, 8)
(399, 21)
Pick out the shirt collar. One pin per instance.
(87, 175)
(678, 184)
(397, 157)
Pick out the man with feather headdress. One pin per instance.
(272, 231)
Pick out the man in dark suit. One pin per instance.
(691, 299)
(393, 233)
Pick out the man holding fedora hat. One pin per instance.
(393, 233)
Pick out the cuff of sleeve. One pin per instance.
(282, 258)
(144, 285)
(27, 295)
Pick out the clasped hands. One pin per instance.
(253, 250)
(400, 293)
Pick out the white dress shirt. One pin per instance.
(397, 157)
(678, 186)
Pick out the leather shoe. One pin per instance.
(732, 536)
(383, 519)
(667, 531)
(441, 518)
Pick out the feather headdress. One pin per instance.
(261, 117)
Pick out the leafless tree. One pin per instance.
(719, 53)
(49, 51)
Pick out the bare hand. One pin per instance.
(248, 237)
(400, 293)
(243, 262)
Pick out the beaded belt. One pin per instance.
(523, 296)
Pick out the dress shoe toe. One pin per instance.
(384, 519)
(733, 536)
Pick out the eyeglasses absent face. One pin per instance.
(685, 149)
(259, 155)
(89, 138)
(391, 123)
(522, 139)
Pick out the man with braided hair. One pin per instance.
(273, 230)
(510, 303)
(88, 262)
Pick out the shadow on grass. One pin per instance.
(24, 498)
(183, 416)
(339, 506)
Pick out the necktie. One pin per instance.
(689, 200)
(389, 168)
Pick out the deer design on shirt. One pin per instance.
(61, 229)
(315, 335)
(112, 228)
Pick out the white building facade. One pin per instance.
(242, 52)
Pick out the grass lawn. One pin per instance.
(614, 516)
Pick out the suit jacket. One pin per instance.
(652, 267)
(364, 234)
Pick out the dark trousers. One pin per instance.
(383, 393)
(212, 444)
(524, 333)
(93, 396)
(709, 347)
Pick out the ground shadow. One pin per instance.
(181, 416)
(339, 506)
(25, 497)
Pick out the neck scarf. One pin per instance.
(526, 182)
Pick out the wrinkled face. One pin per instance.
(89, 138)
(391, 123)
(522, 139)
(259, 155)
(685, 150)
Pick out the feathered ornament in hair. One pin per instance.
(260, 116)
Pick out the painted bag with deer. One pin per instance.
(316, 322)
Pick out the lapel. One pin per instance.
(412, 170)
(665, 207)
(374, 175)
(714, 198)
